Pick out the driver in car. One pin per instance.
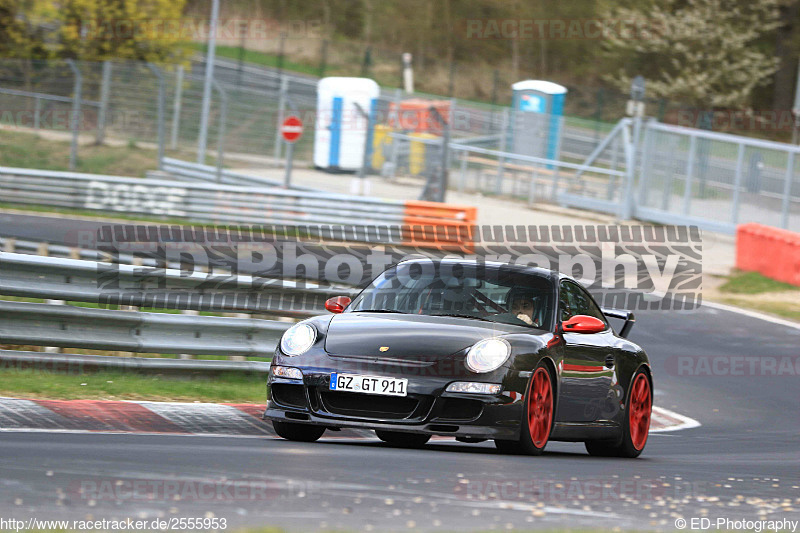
(523, 307)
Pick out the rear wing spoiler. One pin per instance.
(627, 316)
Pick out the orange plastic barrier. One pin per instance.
(435, 225)
(416, 115)
(772, 252)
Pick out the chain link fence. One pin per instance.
(679, 174)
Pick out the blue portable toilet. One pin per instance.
(341, 132)
(537, 117)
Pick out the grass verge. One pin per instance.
(256, 58)
(110, 385)
(29, 150)
(788, 310)
(754, 283)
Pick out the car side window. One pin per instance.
(574, 300)
(566, 305)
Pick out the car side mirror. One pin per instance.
(337, 303)
(583, 324)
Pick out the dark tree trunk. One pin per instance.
(786, 50)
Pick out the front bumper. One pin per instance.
(427, 409)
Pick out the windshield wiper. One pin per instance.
(463, 316)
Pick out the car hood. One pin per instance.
(407, 337)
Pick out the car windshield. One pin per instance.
(495, 293)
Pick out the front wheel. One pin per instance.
(537, 418)
(402, 440)
(298, 432)
(635, 427)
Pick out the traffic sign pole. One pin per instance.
(287, 179)
(291, 130)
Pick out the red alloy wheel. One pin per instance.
(540, 407)
(639, 409)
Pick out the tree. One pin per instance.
(149, 30)
(700, 52)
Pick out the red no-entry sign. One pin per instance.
(292, 129)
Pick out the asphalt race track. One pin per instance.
(742, 462)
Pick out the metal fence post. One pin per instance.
(176, 107)
(626, 201)
(737, 184)
(37, 112)
(445, 170)
(105, 89)
(644, 176)
(463, 176)
(282, 92)
(687, 191)
(162, 94)
(223, 117)
(787, 191)
(498, 185)
(76, 112)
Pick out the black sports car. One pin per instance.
(473, 350)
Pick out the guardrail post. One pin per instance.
(105, 89)
(787, 191)
(44, 250)
(282, 92)
(10, 245)
(161, 97)
(223, 117)
(76, 111)
(191, 312)
(176, 108)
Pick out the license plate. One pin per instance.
(369, 384)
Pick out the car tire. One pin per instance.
(635, 426)
(403, 440)
(537, 416)
(298, 432)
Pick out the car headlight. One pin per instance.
(287, 372)
(298, 339)
(488, 355)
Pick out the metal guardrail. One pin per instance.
(133, 331)
(39, 324)
(70, 362)
(184, 170)
(115, 284)
(200, 202)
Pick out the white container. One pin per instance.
(341, 130)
